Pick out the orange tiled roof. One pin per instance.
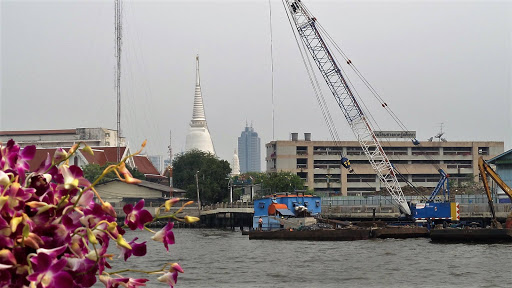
(98, 157)
(39, 157)
(144, 165)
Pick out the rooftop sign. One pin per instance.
(395, 134)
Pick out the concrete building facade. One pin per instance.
(318, 162)
(63, 137)
(249, 150)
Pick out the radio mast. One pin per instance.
(119, 35)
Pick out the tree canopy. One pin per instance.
(212, 174)
(275, 182)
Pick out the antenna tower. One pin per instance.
(119, 42)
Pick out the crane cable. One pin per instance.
(372, 90)
(361, 76)
(272, 68)
(314, 83)
(368, 85)
(321, 99)
(318, 92)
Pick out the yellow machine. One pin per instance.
(486, 170)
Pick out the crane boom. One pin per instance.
(351, 109)
(486, 170)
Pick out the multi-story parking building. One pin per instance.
(318, 162)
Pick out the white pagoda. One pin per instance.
(235, 165)
(198, 136)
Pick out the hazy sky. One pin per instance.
(433, 62)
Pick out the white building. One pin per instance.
(63, 137)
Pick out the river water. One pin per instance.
(215, 258)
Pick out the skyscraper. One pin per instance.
(249, 151)
(198, 136)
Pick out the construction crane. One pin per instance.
(485, 171)
(357, 120)
(442, 185)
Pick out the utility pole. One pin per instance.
(170, 158)
(198, 200)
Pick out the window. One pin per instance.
(458, 164)
(483, 150)
(425, 151)
(395, 150)
(361, 178)
(302, 163)
(302, 150)
(457, 150)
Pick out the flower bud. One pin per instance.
(176, 267)
(4, 179)
(87, 149)
(15, 221)
(59, 155)
(91, 237)
(191, 219)
(169, 203)
(107, 208)
(73, 149)
(111, 227)
(121, 242)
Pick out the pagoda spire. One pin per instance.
(198, 115)
(199, 136)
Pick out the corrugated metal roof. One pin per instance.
(497, 158)
(285, 212)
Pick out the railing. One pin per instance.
(228, 205)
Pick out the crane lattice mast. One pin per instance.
(306, 27)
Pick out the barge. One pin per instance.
(312, 235)
(467, 234)
(345, 234)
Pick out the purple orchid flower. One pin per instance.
(83, 271)
(48, 272)
(170, 278)
(136, 217)
(165, 235)
(126, 282)
(138, 249)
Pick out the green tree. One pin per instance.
(213, 175)
(93, 171)
(276, 182)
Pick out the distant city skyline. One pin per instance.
(432, 62)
